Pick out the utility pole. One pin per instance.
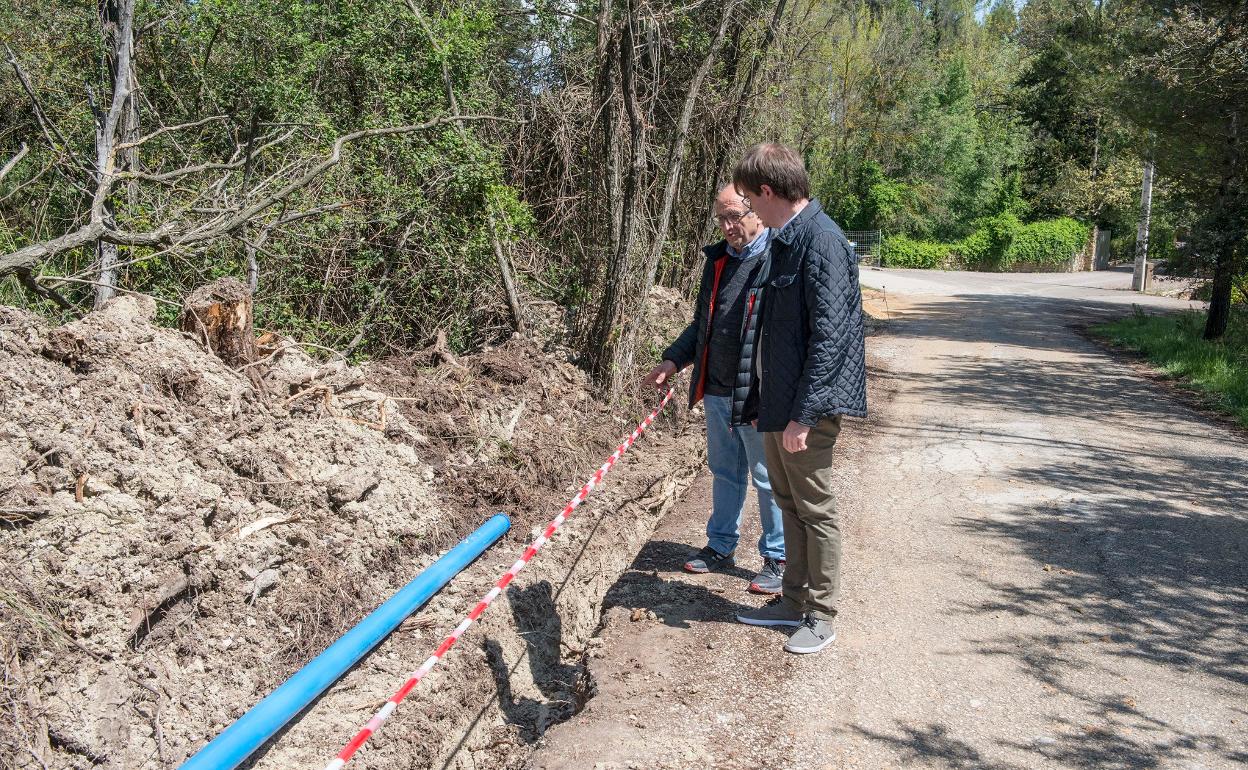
(1139, 279)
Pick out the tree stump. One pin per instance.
(219, 315)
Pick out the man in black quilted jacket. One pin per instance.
(810, 371)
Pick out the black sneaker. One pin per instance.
(771, 579)
(708, 560)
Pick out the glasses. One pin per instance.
(731, 219)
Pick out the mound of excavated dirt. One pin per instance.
(177, 539)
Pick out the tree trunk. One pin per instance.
(219, 315)
(249, 248)
(1220, 299)
(741, 98)
(1139, 280)
(606, 152)
(1228, 223)
(676, 152)
(117, 21)
(610, 358)
(504, 270)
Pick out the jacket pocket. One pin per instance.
(784, 298)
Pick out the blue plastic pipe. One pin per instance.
(239, 740)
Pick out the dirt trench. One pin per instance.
(175, 541)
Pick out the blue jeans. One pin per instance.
(735, 454)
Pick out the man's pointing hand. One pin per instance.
(660, 374)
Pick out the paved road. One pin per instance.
(1110, 287)
(1045, 567)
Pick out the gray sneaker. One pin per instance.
(812, 635)
(708, 560)
(776, 612)
(771, 579)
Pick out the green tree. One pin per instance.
(1186, 83)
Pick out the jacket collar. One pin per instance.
(786, 234)
(716, 250)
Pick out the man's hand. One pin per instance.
(660, 374)
(795, 437)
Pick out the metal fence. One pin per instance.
(866, 245)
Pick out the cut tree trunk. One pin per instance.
(219, 315)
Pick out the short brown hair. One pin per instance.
(775, 165)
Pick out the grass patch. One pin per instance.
(1173, 344)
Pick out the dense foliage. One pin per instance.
(986, 135)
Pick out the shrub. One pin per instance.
(1051, 242)
(999, 242)
(985, 248)
(975, 251)
(900, 251)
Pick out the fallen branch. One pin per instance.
(142, 617)
(18, 516)
(65, 279)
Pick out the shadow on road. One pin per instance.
(1143, 547)
(675, 603)
(933, 742)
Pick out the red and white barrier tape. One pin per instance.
(382, 715)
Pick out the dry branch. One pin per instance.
(21, 153)
(167, 129)
(225, 223)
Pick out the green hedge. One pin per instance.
(1052, 243)
(900, 251)
(1001, 242)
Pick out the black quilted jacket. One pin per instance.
(690, 346)
(811, 353)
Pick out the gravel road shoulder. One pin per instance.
(1044, 567)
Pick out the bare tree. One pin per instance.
(116, 124)
(676, 148)
(610, 358)
(189, 198)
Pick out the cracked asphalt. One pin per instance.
(1045, 566)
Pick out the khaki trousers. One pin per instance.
(801, 483)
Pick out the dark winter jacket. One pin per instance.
(812, 358)
(691, 346)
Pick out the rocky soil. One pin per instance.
(177, 537)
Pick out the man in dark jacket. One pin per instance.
(719, 344)
(810, 370)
